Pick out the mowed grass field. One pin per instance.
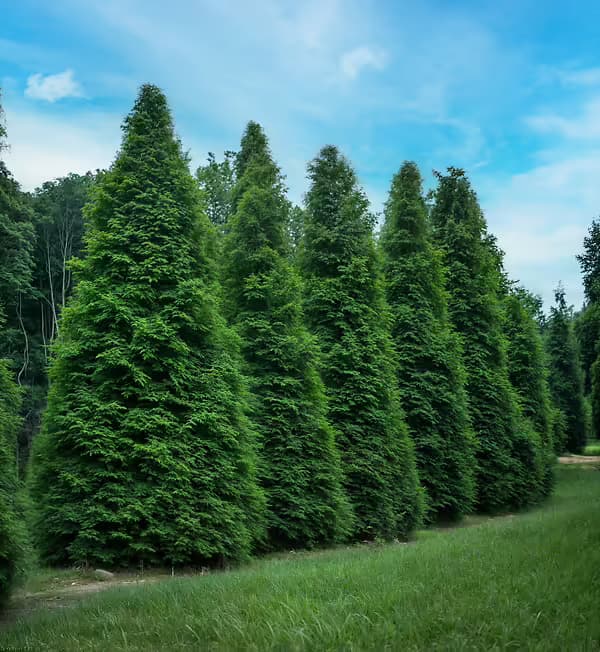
(592, 448)
(524, 582)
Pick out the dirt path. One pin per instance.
(580, 459)
(66, 593)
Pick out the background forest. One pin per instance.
(195, 370)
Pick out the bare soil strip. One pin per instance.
(579, 459)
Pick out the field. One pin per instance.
(593, 448)
(529, 581)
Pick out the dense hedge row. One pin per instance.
(279, 378)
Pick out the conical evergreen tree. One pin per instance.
(346, 309)
(587, 324)
(145, 453)
(566, 383)
(529, 376)
(9, 528)
(430, 372)
(300, 467)
(506, 452)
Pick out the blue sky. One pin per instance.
(508, 90)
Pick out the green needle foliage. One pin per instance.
(346, 309)
(145, 453)
(507, 451)
(430, 372)
(529, 377)
(587, 325)
(300, 467)
(566, 383)
(9, 514)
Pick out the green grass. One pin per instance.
(593, 448)
(526, 582)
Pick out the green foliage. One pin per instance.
(145, 453)
(57, 220)
(430, 370)
(507, 452)
(529, 377)
(587, 324)
(566, 383)
(16, 264)
(10, 540)
(216, 180)
(345, 307)
(589, 261)
(587, 331)
(595, 398)
(300, 467)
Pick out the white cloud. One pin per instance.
(585, 124)
(44, 147)
(53, 87)
(353, 61)
(584, 77)
(541, 217)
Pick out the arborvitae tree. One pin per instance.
(300, 467)
(346, 309)
(145, 453)
(16, 263)
(216, 180)
(587, 324)
(430, 372)
(587, 331)
(9, 517)
(566, 382)
(589, 261)
(507, 450)
(529, 376)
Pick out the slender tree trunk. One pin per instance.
(26, 347)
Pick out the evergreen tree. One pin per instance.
(9, 513)
(587, 324)
(589, 261)
(529, 377)
(507, 449)
(587, 332)
(145, 453)
(430, 371)
(346, 309)
(216, 181)
(566, 382)
(16, 263)
(300, 467)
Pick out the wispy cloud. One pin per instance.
(44, 147)
(583, 123)
(354, 61)
(541, 217)
(53, 87)
(582, 77)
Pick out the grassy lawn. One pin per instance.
(529, 582)
(593, 448)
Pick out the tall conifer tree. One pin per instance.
(430, 372)
(506, 452)
(587, 324)
(566, 382)
(145, 453)
(346, 309)
(9, 514)
(529, 376)
(300, 466)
